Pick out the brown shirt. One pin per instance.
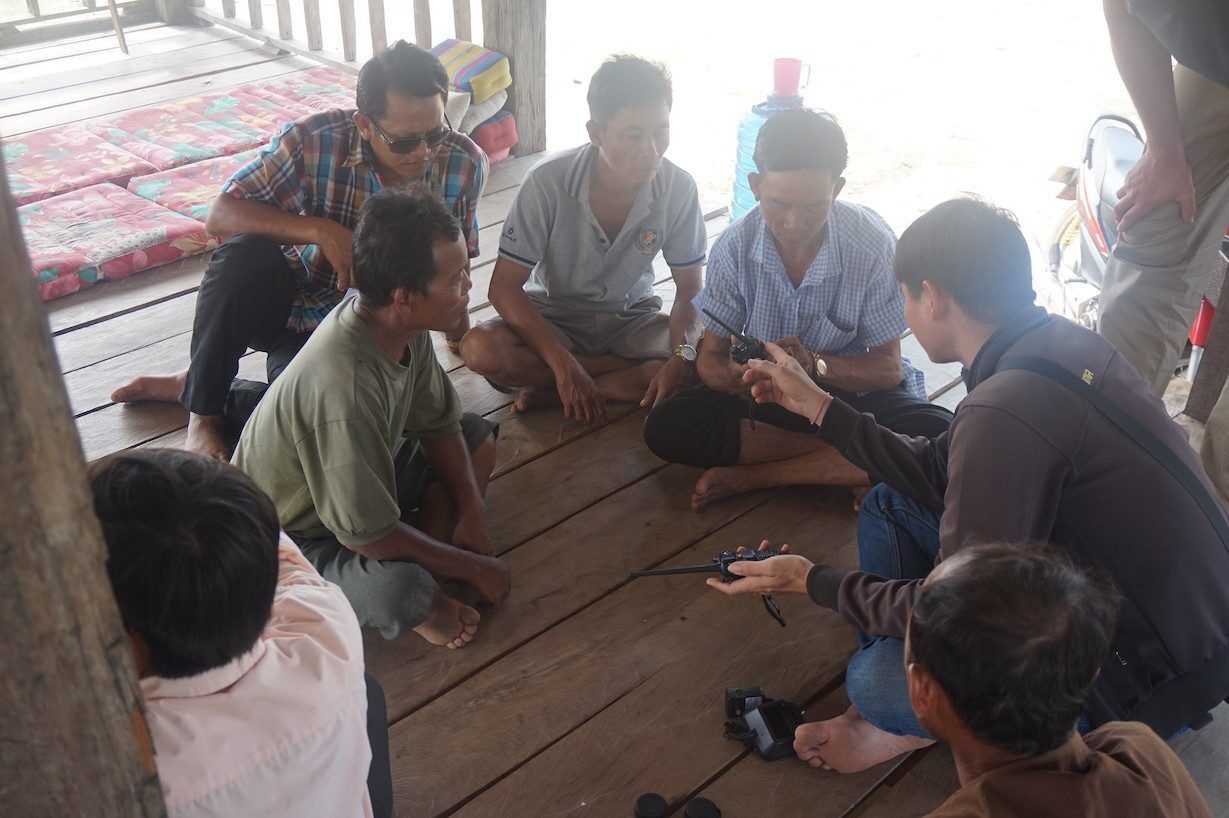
(1025, 460)
(1117, 771)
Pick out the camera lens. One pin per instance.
(701, 808)
(651, 805)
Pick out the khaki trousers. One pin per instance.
(1158, 270)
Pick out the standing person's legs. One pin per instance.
(1158, 269)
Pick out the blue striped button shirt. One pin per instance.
(848, 303)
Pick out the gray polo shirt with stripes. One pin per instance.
(552, 230)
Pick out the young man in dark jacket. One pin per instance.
(1025, 460)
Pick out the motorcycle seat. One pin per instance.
(1115, 151)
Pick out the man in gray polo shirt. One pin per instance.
(574, 281)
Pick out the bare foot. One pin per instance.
(715, 484)
(850, 743)
(206, 436)
(530, 397)
(492, 579)
(151, 387)
(450, 623)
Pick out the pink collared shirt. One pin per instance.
(280, 731)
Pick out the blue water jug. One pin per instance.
(786, 73)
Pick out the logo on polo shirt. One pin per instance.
(648, 240)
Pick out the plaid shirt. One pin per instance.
(848, 303)
(321, 166)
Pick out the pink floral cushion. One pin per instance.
(103, 232)
(315, 90)
(55, 160)
(190, 189)
(190, 130)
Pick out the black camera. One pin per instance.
(766, 724)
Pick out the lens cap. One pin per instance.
(651, 805)
(701, 808)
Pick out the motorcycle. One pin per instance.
(1080, 247)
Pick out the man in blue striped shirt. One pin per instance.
(814, 275)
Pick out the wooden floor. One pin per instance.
(586, 689)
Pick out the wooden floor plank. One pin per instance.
(527, 501)
(21, 56)
(142, 97)
(533, 697)
(109, 339)
(210, 59)
(121, 426)
(90, 388)
(555, 575)
(924, 785)
(89, 69)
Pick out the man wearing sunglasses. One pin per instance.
(578, 320)
(289, 215)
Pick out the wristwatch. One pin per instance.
(820, 365)
(686, 351)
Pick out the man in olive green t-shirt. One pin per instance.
(375, 471)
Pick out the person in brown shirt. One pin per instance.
(1003, 646)
(1025, 460)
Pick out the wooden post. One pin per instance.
(256, 15)
(379, 36)
(422, 23)
(75, 737)
(32, 7)
(228, 8)
(461, 20)
(349, 38)
(119, 27)
(172, 11)
(517, 28)
(311, 15)
(285, 27)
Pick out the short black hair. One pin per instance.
(1014, 635)
(402, 66)
(801, 139)
(627, 81)
(394, 240)
(191, 555)
(975, 252)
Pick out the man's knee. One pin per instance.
(247, 261)
(485, 348)
(689, 430)
(875, 684)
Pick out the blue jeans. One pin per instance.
(898, 538)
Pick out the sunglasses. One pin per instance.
(409, 144)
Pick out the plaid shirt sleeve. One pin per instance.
(721, 294)
(276, 175)
(882, 318)
(464, 177)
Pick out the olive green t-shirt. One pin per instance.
(324, 437)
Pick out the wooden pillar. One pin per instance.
(75, 738)
(172, 11)
(422, 23)
(379, 37)
(517, 28)
(461, 20)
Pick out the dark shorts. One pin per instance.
(414, 474)
(703, 427)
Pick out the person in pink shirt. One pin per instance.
(251, 664)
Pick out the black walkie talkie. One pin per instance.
(747, 347)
